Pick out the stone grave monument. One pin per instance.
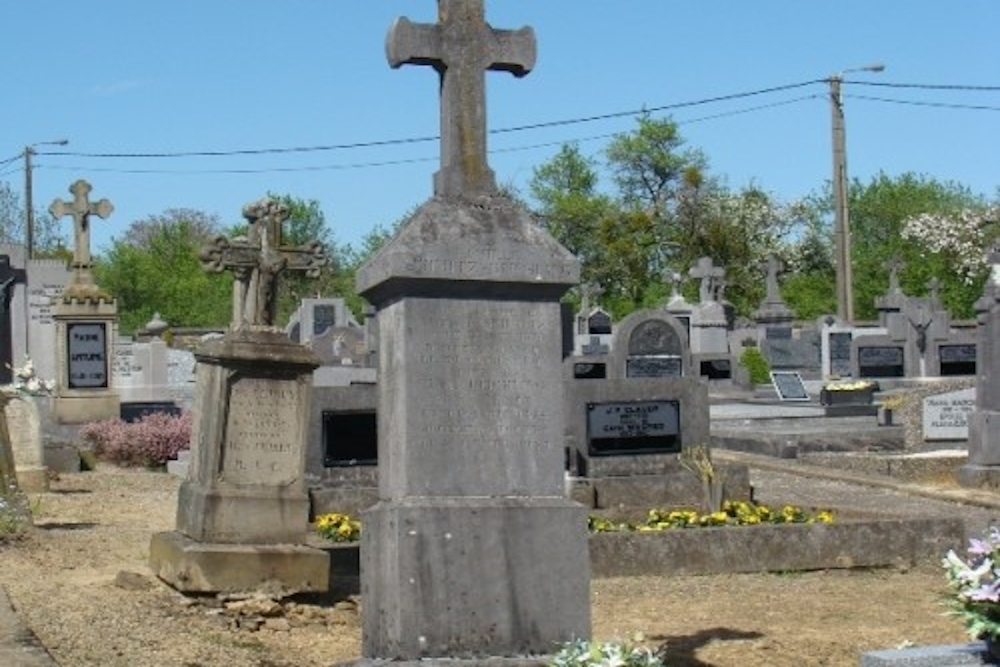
(472, 553)
(243, 511)
(593, 324)
(709, 323)
(773, 315)
(983, 467)
(86, 320)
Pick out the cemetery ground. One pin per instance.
(80, 582)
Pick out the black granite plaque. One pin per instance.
(585, 371)
(349, 438)
(644, 427)
(778, 333)
(654, 337)
(717, 369)
(324, 317)
(653, 367)
(840, 353)
(87, 355)
(599, 323)
(883, 361)
(958, 359)
(789, 386)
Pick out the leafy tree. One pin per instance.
(879, 212)
(154, 268)
(49, 239)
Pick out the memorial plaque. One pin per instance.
(599, 323)
(585, 371)
(646, 427)
(840, 353)
(717, 369)
(324, 317)
(262, 429)
(880, 362)
(958, 359)
(653, 367)
(349, 439)
(87, 355)
(778, 333)
(946, 416)
(654, 337)
(789, 386)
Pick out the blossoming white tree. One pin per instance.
(964, 238)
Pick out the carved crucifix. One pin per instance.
(258, 260)
(81, 209)
(461, 47)
(711, 277)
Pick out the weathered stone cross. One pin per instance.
(81, 209)
(710, 276)
(895, 265)
(675, 280)
(461, 46)
(773, 266)
(934, 286)
(257, 261)
(589, 292)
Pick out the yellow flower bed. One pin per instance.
(733, 513)
(338, 527)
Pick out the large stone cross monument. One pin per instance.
(86, 320)
(472, 551)
(243, 511)
(461, 47)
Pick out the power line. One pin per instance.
(926, 86)
(945, 105)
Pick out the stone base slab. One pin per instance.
(243, 515)
(198, 567)
(539, 661)
(979, 476)
(469, 577)
(33, 479)
(84, 409)
(957, 655)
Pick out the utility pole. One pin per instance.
(29, 204)
(841, 217)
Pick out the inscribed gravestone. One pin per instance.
(654, 350)
(469, 413)
(25, 430)
(946, 416)
(789, 386)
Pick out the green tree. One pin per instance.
(154, 268)
(878, 214)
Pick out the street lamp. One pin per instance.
(29, 214)
(841, 222)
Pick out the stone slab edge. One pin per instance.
(538, 661)
(927, 656)
(196, 567)
(18, 644)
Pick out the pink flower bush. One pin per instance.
(149, 442)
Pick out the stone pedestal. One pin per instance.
(472, 550)
(245, 492)
(86, 326)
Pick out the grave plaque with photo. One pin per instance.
(653, 367)
(324, 317)
(349, 438)
(87, 354)
(646, 427)
(884, 361)
(840, 353)
(958, 359)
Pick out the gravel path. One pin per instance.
(81, 584)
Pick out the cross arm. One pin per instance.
(410, 43)
(513, 51)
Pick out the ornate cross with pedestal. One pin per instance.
(258, 260)
(461, 46)
(772, 267)
(81, 209)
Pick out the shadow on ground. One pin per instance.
(679, 650)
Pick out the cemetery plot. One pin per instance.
(646, 427)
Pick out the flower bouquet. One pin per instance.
(974, 584)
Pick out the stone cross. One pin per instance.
(258, 260)
(675, 280)
(773, 266)
(461, 46)
(934, 286)
(895, 265)
(710, 275)
(589, 291)
(81, 209)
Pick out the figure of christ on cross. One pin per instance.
(81, 209)
(461, 46)
(258, 260)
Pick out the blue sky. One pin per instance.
(159, 77)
